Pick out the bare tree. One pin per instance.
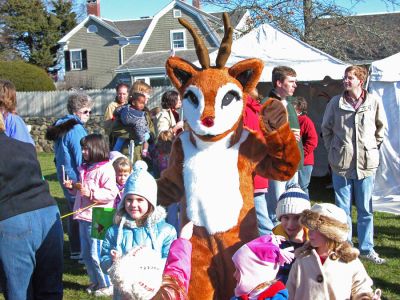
(321, 23)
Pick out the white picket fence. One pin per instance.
(54, 104)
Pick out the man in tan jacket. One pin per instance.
(353, 128)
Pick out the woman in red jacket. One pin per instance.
(309, 137)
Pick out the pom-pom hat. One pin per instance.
(293, 201)
(328, 219)
(141, 183)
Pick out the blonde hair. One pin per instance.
(8, 96)
(141, 87)
(2, 125)
(171, 289)
(122, 164)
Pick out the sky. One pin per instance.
(134, 9)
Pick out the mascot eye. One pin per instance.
(192, 98)
(229, 97)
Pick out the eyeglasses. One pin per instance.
(86, 112)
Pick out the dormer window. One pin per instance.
(178, 39)
(177, 13)
(92, 29)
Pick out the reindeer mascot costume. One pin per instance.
(212, 164)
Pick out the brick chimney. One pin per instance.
(196, 3)
(93, 7)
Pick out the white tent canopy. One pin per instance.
(277, 48)
(385, 83)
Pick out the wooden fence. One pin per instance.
(54, 104)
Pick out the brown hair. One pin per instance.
(359, 71)
(122, 164)
(154, 111)
(8, 96)
(280, 73)
(140, 222)
(169, 99)
(300, 103)
(164, 141)
(170, 289)
(97, 147)
(121, 84)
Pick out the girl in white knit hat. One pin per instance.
(327, 267)
(138, 221)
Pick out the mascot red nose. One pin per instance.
(212, 164)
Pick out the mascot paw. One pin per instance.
(273, 114)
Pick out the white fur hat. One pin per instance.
(328, 219)
(293, 201)
(141, 183)
(138, 274)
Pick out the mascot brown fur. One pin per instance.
(212, 164)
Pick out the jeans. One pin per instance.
(305, 177)
(264, 223)
(90, 252)
(73, 225)
(275, 190)
(361, 190)
(31, 255)
(173, 215)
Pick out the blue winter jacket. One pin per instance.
(67, 134)
(156, 233)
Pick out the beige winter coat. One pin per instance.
(352, 138)
(165, 121)
(334, 280)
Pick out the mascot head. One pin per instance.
(213, 96)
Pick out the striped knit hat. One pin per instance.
(293, 201)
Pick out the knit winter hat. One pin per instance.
(141, 183)
(257, 262)
(138, 274)
(293, 201)
(328, 219)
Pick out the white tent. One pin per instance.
(385, 82)
(276, 48)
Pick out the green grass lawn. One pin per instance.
(387, 241)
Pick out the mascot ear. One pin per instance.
(180, 71)
(247, 72)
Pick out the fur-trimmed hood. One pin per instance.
(61, 127)
(122, 219)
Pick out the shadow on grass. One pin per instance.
(393, 287)
(51, 177)
(73, 285)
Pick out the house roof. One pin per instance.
(131, 27)
(155, 59)
(362, 37)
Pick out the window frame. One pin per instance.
(177, 13)
(92, 31)
(171, 35)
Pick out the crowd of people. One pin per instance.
(303, 251)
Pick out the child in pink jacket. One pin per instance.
(97, 187)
